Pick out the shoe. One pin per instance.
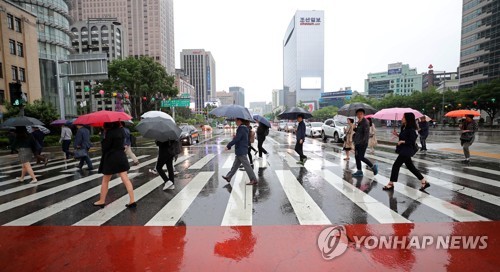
(425, 185)
(255, 154)
(375, 169)
(90, 169)
(304, 160)
(388, 188)
(45, 162)
(99, 205)
(466, 161)
(153, 171)
(358, 173)
(136, 163)
(300, 162)
(253, 182)
(131, 205)
(228, 179)
(346, 159)
(33, 181)
(20, 179)
(168, 184)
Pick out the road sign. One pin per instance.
(175, 103)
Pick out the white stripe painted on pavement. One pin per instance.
(489, 171)
(30, 185)
(467, 176)
(39, 215)
(175, 208)
(306, 210)
(201, 163)
(377, 210)
(35, 196)
(317, 162)
(98, 163)
(229, 162)
(273, 141)
(10, 181)
(239, 206)
(289, 159)
(103, 215)
(57, 167)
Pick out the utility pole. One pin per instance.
(444, 89)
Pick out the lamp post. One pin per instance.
(444, 89)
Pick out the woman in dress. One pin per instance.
(114, 161)
(348, 143)
(372, 142)
(25, 144)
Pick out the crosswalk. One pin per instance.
(315, 193)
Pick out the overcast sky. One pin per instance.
(361, 36)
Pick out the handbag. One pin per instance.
(80, 153)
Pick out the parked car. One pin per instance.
(282, 126)
(206, 128)
(313, 129)
(189, 135)
(220, 126)
(290, 127)
(333, 129)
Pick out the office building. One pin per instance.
(19, 54)
(336, 99)
(303, 58)
(238, 95)
(199, 65)
(480, 45)
(440, 80)
(261, 108)
(149, 25)
(182, 82)
(278, 98)
(399, 79)
(226, 98)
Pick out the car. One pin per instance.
(206, 128)
(220, 126)
(189, 135)
(333, 129)
(227, 126)
(290, 127)
(281, 126)
(313, 129)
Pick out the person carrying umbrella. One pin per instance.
(26, 144)
(361, 137)
(167, 152)
(240, 141)
(12, 141)
(301, 137)
(66, 135)
(39, 136)
(349, 133)
(469, 129)
(82, 142)
(423, 131)
(262, 132)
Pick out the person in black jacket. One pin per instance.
(167, 151)
(361, 138)
(39, 137)
(406, 149)
(301, 137)
(262, 131)
(423, 131)
(114, 161)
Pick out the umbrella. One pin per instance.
(369, 116)
(262, 120)
(152, 114)
(100, 117)
(294, 112)
(350, 109)
(395, 113)
(41, 128)
(462, 113)
(427, 118)
(232, 112)
(160, 129)
(59, 122)
(21, 121)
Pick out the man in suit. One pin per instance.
(301, 137)
(361, 138)
(82, 141)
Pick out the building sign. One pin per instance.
(175, 103)
(311, 106)
(310, 21)
(395, 68)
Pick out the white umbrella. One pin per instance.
(153, 114)
(41, 128)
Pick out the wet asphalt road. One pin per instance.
(322, 192)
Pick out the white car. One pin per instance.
(313, 129)
(281, 126)
(220, 126)
(333, 129)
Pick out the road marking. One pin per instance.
(201, 163)
(32, 218)
(229, 163)
(29, 185)
(273, 140)
(103, 215)
(57, 167)
(474, 153)
(35, 196)
(487, 181)
(377, 210)
(318, 162)
(306, 210)
(51, 162)
(489, 171)
(175, 208)
(289, 159)
(239, 206)
(10, 181)
(98, 163)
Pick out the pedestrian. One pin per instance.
(251, 140)
(66, 135)
(468, 128)
(361, 138)
(114, 161)
(348, 143)
(262, 132)
(26, 145)
(423, 131)
(12, 141)
(406, 148)
(128, 145)
(240, 141)
(301, 137)
(83, 144)
(39, 137)
(372, 142)
(167, 154)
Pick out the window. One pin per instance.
(12, 47)
(22, 75)
(1, 70)
(20, 51)
(10, 21)
(2, 97)
(14, 73)
(17, 25)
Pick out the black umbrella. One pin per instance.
(22, 121)
(232, 112)
(262, 120)
(350, 109)
(294, 112)
(160, 129)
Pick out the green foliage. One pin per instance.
(40, 110)
(325, 113)
(302, 105)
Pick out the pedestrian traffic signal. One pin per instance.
(16, 94)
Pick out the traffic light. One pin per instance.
(16, 94)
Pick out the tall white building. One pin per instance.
(238, 95)
(303, 58)
(199, 65)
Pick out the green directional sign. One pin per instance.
(175, 103)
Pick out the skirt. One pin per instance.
(25, 155)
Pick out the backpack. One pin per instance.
(252, 136)
(175, 147)
(266, 131)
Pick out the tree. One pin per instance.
(325, 113)
(40, 110)
(302, 105)
(485, 97)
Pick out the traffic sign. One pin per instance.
(175, 103)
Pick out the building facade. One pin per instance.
(479, 48)
(278, 98)
(336, 99)
(149, 25)
(303, 58)
(261, 108)
(399, 79)
(182, 82)
(440, 80)
(18, 53)
(238, 95)
(225, 98)
(199, 65)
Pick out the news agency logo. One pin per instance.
(332, 242)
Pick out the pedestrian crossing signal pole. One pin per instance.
(16, 96)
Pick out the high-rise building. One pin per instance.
(303, 58)
(278, 98)
(182, 82)
(19, 59)
(399, 79)
(261, 107)
(225, 98)
(480, 46)
(149, 24)
(199, 65)
(441, 80)
(238, 95)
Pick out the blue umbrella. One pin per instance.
(232, 112)
(294, 112)
(262, 120)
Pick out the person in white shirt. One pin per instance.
(66, 135)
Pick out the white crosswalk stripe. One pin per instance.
(479, 169)
(239, 207)
(202, 162)
(98, 163)
(289, 160)
(10, 181)
(29, 185)
(487, 181)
